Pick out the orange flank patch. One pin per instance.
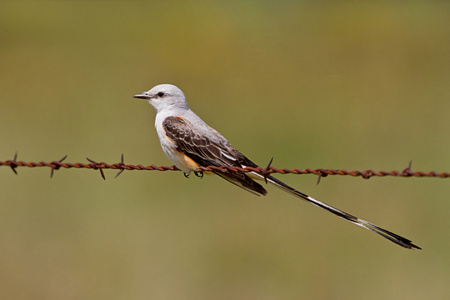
(189, 162)
(193, 165)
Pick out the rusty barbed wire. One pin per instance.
(121, 166)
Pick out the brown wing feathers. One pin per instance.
(208, 153)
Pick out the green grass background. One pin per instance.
(315, 84)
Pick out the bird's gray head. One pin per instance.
(165, 96)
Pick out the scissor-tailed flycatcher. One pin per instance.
(190, 143)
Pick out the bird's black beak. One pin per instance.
(142, 96)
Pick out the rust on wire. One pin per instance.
(121, 166)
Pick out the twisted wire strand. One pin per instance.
(121, 166)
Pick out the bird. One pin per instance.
(189, 143)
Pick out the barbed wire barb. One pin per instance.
(56, 165)
(265, 171)
(320, 176)
(99, 166)
(407, 170)
(121, 165)
(13, 163)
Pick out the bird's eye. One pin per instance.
(161, 94)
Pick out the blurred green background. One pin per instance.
(315, 84)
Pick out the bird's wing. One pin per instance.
(207, 152)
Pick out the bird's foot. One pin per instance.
(199, 174)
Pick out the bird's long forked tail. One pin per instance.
(399, 240)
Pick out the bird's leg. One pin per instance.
(199, 174)
(186, 175)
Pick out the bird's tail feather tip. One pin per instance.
(399, 240)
